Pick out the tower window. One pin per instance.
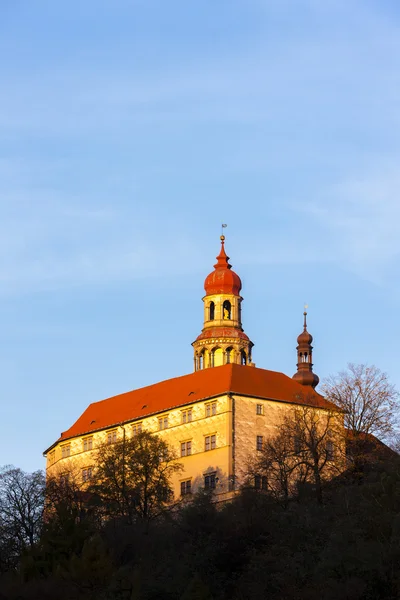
(243, 358)
(227, 310)
(259, 409)
(260, 441)
(212, 311)
(228, 355)
(201, 360)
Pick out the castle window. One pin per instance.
(52, 457)
(66, 450)
(228, 355)
(210, 442)
(187, 416)
(64, 478)
(87, 444)
(260, 441)
(211, 409)
(186, 487)
(243, 357)
(260, 482)
(186, 448)
(87, 474)
(305, 357)
(329, 450)
(111, 436)
(210, 481)
(137, 428)
(227, 310)
(212, 311)
(163, 423)
(259, 409)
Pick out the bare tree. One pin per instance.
(274, 467)
(21, 510)
(369, 401)
(132, 477)
(307, 448)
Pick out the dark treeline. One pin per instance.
(252, 547)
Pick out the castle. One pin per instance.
(215, 417)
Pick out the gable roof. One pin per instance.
(188, 389)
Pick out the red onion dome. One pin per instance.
(222, 280)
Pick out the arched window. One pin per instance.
(201, 360)
(227, 310)
(243, 358)
(212, 357)
(305, 357)
(212, 311)
(301, 357)
(228, 354)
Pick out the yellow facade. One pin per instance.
(201, 462)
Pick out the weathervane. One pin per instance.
(223, 225)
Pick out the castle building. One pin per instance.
(215, 418)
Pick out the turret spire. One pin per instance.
(305, 374)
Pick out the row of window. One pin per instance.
(87, 443)
(186, 447)
(210, 443)
(329, 447)
(200, 361)
(210, 482)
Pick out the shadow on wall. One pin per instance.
(213, 479)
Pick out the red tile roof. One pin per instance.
(207, 383)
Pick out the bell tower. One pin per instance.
(222, 339)
(305, 374)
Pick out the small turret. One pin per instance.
(305, 374)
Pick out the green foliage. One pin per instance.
(132, 477)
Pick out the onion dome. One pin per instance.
(222, 280)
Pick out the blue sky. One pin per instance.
(129, 131)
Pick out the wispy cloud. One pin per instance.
(359, 219)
